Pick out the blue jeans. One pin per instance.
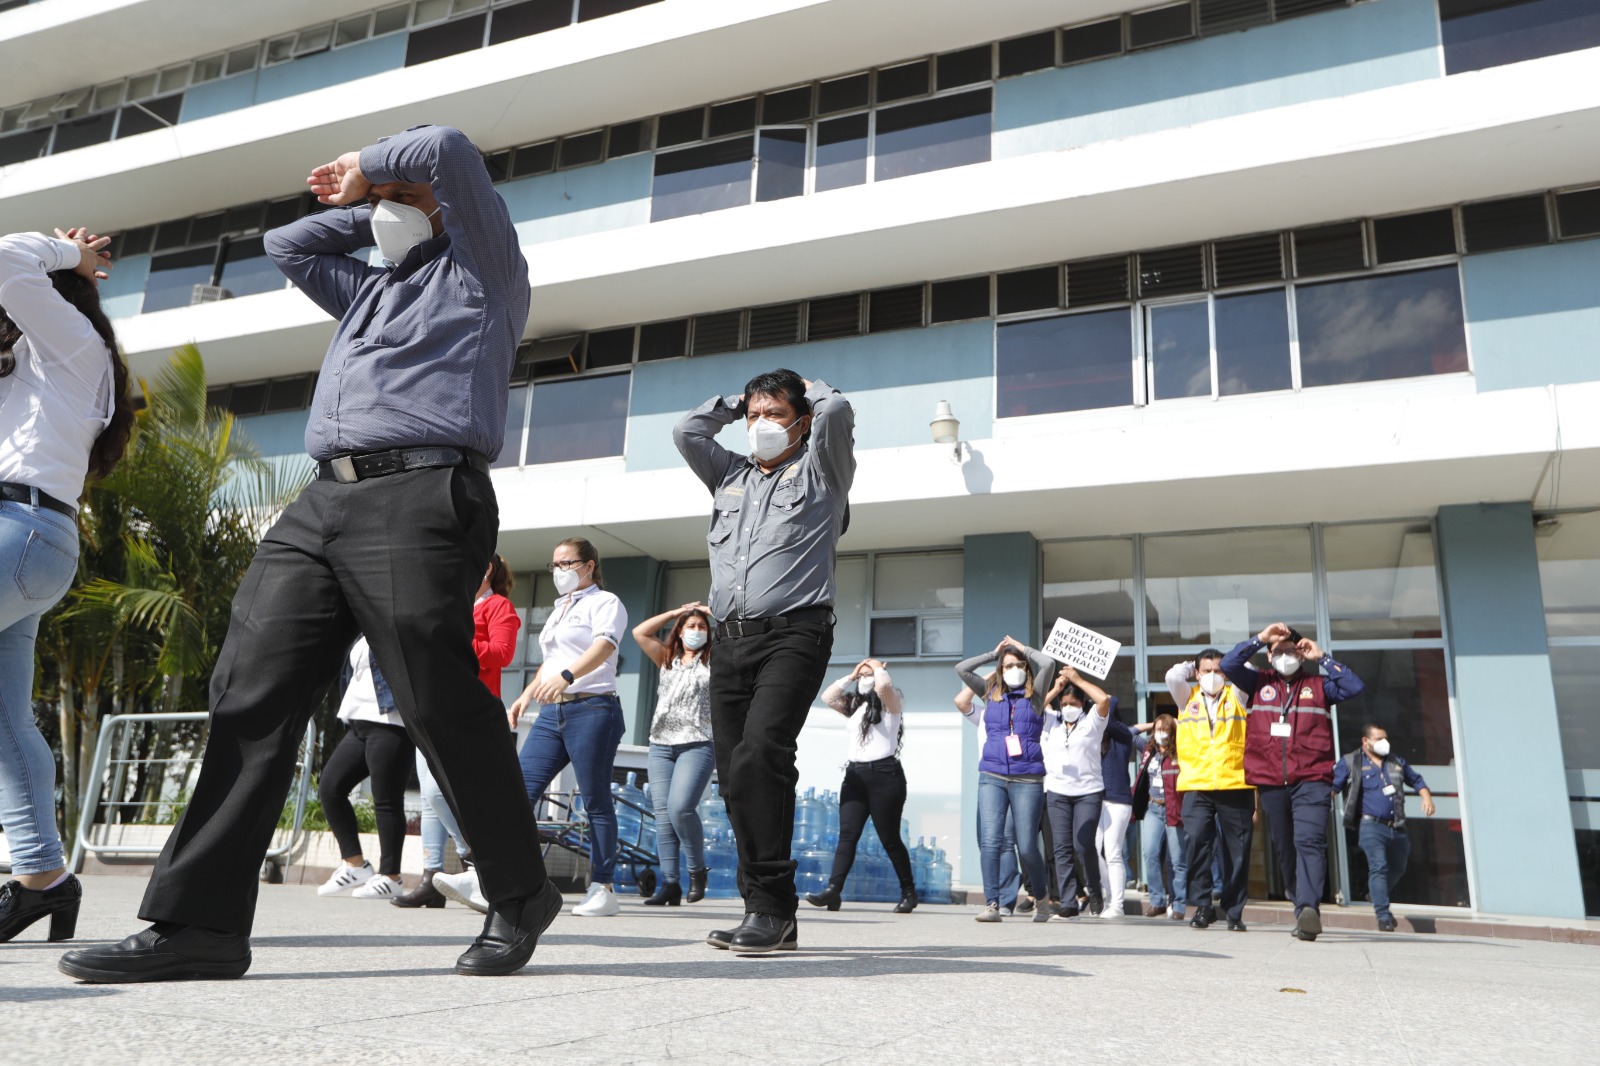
(679, 774)
(38, 559)
(1163, 841)
(1023, 800)
(585, 733)
(437, 819)
(1297, 818)
(1388, 849)
(1010, 882)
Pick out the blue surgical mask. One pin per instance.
(694, 639)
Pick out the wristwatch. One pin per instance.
(567, 676)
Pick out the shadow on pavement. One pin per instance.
(46, 993)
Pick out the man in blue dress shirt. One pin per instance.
(391, 540)
(1374, 782)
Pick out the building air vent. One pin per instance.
(771, 327)
(1421, 235)
(1509, 223)
(890, 309)
(716, 333)
(1160, 26)
(1289, 8)
(1038, 289)
(1220, 16)
(1248, 259)
(1172, 270)
(209, 294)
(835, 316)
(1329, 249)
(1579, 212)
(1097, 281)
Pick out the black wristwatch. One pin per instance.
(567, 676)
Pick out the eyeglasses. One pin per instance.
(564, 564)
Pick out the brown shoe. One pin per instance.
(1154, 912)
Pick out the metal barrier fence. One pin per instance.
(115, 762)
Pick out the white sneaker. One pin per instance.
(377, 888)
(601, 902)
(463, 888)
(345, 878)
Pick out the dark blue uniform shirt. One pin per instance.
(1373, 781)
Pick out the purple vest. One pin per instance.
(1012, 712)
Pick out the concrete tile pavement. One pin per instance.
(347, 981)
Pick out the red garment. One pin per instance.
(1169, 783)
(1307, 753)
(494, 637)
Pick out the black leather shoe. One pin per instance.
(1235, 926)
(1096, 903)
(1025, 905)
(422, 895)
(1387, 925)
(164, 952)
(20, 907)
(1203, 917)
(510, 933)
(1307, 924)
(762, 933)
(908, 902)
(828, 897)
(697, 885)
(668, 894)
(721, 938)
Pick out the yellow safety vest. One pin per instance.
(1211, 760)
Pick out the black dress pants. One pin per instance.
(762, 687)
(876, 790)
(1224, 819)
(385, 754)
(398, 559)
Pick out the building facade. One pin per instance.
(1249, 310)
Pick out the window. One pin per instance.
(973, 65)
(709, 177)
(1508, 223)
(578, 418)
(1095, 40)
(917, 600)
(1578, 213)
(714, 334)
(526, 19)
(786, 105)
(1329, 249)
(949, 131)
(516, 423)
(174, 276)
(582, 149)
(80, 133)
(609, 347)
(1067, 363)
(1038, 289)
(1488, 33)
(844, 94)
(1219, 588)
(772, 327)
(1179, 349)
(663, 340)
(1381, 327)
(246, 269)
(1161, 26)
(1418, 236)
(149, 115)
(447, 39)
(835, 316)
(904, 81)
(841, 152)
(963, 298)
(1172, 270)
(1023, 55)
(1382, 581)
(736, 116)
(1090, 582)
(1220, 16)
(780, 162)
(1252, 338)
(1569, 570)
(593, 9)
(891, 309)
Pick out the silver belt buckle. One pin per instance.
(344, 470)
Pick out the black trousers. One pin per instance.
(876, 789)
(398, 559)
(1073, 820)
(1297, 822)
(1203, 812)
(761, 691)
(385, 754)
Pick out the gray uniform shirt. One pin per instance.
(773, 536)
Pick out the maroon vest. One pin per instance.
(1306, 754)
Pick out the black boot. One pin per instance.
(761, 933)
(423, 895)
(668, 894)
(20, 907)
(697, 884)
(908, 901)
(828, 897)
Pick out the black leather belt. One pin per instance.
(1380, 821)
(887, 762)
(10, 490)
(734, 628)
(347, 469)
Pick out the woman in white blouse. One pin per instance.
(64, 416)
(874, 781)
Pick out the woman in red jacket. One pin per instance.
(494, 639)
(1158, 808)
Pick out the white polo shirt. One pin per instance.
(578, 620)
(1072, 760)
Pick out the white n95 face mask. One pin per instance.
(865, 685)
(398, 228)
(1211, 684)
(1071, 714)
(1162, 736)
(566, 580)
(1014, 676)
(1286, 663)
(1380, 748)
(768, 440)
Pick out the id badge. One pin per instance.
(1013, 745)
(1280, 728)
(1388, 790)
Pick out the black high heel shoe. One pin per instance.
(908, 901)
(828, 897)
(669, 894)
(20, 907)
(697, 884)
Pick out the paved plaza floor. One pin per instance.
(353, 981)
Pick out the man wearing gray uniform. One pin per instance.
(777, 517)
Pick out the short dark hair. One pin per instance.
(784, 384)
(1366, 730)
(1209, 653)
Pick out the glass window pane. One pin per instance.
(1381, 327)
(1146, 28)
(663, 340)
(280, 49)
(430, 11)
(966, 67)
(1436, 874)
(582, 148)
(843, 94)
(917, 581)
(516, 418)
(108, 96)
(786, 105)
(1569, 572)
(850, 608)
(1090, 582)
(246, 270)
(82, 132)
(841, 152)
(908, 79)
(1408, 696)
(950, 131)
(781, 169)
(1068, 363)
(583, 418)
(208, 69)
(1577, 212)
(711, 177)
(735, 116)
(174, 78)
(1479, 34)
(1414, 236)
(593, 9)
(1576, 672)
(942, 635)
(315, 39)
(173, 278)
(145, 85)
(1180, 350)
(446, 39)
(1252, 342)
(390, 19)
(243, 59)
(352, 30)
(524, 20)
(1219, 588)
(1382, 583)
(894, 637)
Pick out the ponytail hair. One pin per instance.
(588, 553)
(500, 580)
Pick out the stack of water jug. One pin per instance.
(633, 831)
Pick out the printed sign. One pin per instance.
(1091, 652)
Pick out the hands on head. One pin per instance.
(93, 259)
(341, 181)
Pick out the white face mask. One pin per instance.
(398, 228)
(1162, 736)
(1070, 714)
(1380, 748)
(768, 440)
(1286, 663)
(1014, 676)
(1211, 684)
(567, 580)
(865, 685)
(694, 639)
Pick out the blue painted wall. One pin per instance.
(1513, 809)
(1003, 588)
(290, 79)
(1370, 46)
(897, 377)
(281, 434)
(570, 203)
(1533, 315)
(122, 294)
(635, 579)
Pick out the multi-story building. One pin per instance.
(1248, 310)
